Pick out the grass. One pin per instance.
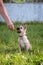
(19, 1)
(9, 45)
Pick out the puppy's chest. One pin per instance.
(21, 42)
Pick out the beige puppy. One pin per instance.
(23, 41)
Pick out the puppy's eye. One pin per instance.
(20, 27)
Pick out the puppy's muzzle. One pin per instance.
(18, 30)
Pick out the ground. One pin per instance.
(9, 54)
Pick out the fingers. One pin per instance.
(11, 26)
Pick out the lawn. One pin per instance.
(9, 54)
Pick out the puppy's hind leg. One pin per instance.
(29, 49)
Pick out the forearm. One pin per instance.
(4, 14)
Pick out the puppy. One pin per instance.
(23, 41)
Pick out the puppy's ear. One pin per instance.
(25, 27)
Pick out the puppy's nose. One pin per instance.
(17, 28)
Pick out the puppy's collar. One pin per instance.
(20, 36)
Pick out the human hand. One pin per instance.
(10, 26)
